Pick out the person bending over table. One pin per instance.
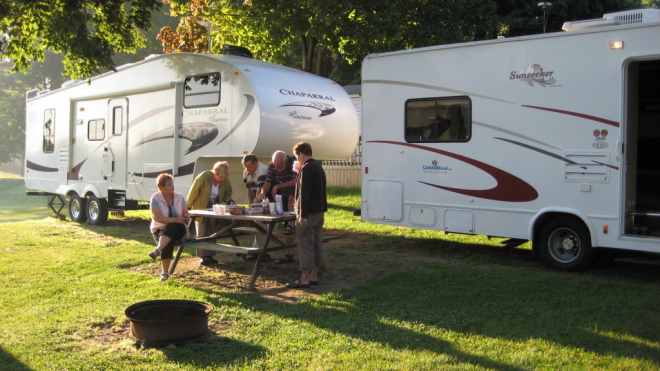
(281, 179)
(311, 203)
(209, 188)
(169, 220)
(254, 176)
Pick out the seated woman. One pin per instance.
(169, 222)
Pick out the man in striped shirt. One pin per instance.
(281, 179)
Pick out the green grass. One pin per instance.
(62, 284)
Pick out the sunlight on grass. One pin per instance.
(64, 286)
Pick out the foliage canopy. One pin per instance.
(87, 32)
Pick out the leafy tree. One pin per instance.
(521, 17)
(330, 37)
(87, 32)
(48, 74)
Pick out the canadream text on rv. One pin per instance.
(306, 95)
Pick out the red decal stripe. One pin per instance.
(581, 115)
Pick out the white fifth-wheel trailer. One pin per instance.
(549, 138)
(103, 143)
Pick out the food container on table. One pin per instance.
(256, 209)
(236, 210)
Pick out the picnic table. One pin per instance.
(237, 227)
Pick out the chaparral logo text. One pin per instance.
(306, 95)
(534, 74)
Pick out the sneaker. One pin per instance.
(154, 254)
(207, 260)
(164, 276)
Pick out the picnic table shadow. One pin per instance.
(426, 302)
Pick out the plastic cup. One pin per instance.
(216, 209)
(271, 206)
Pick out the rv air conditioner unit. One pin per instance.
(236, 50)
(611, 19)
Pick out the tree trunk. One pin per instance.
(308, 47)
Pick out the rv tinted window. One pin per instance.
(201, 91)
(49, 131)
(96, 130)
(438, 120)
(117, 114)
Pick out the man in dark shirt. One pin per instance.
(311, 203)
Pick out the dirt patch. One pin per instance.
(351, 258)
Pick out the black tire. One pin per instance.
(97, 210)
(565, 243)
(77, 208)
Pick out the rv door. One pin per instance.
(116, 147)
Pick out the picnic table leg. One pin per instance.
(176, 260)
(262, 255)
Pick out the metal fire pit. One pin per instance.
(164, 322)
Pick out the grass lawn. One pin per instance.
(64, 288)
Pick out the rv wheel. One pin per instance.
(97, 210)
(77, 211)
(565, 244)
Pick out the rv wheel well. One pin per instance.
(538, 224)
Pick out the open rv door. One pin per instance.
(642, 139)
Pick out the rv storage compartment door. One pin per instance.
(459, 221)
(385, 200)
(421, 216)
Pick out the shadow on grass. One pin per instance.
(456, 301)
(9, 363)
(214, 351)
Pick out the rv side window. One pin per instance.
(202, 91)
(96, 130)
(49, 131)
(438, 120)
(117, 114)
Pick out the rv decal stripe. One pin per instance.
(325, 108)
(32, 166)
(539, 150)
(432, 87)
(509, 187)
(183, 171)
(148, 115)
(513, 134)
(199, 133)
(248, 108)
(604, 164)
(581, 115)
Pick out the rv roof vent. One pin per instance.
(636, 16)
(611, 19)
(236, 50)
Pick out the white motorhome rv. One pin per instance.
(103, 144)
(546, 138)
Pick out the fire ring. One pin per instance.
(164, 322)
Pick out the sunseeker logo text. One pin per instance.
(534, 75)
(435, 168)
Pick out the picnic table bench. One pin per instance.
(236, 228)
